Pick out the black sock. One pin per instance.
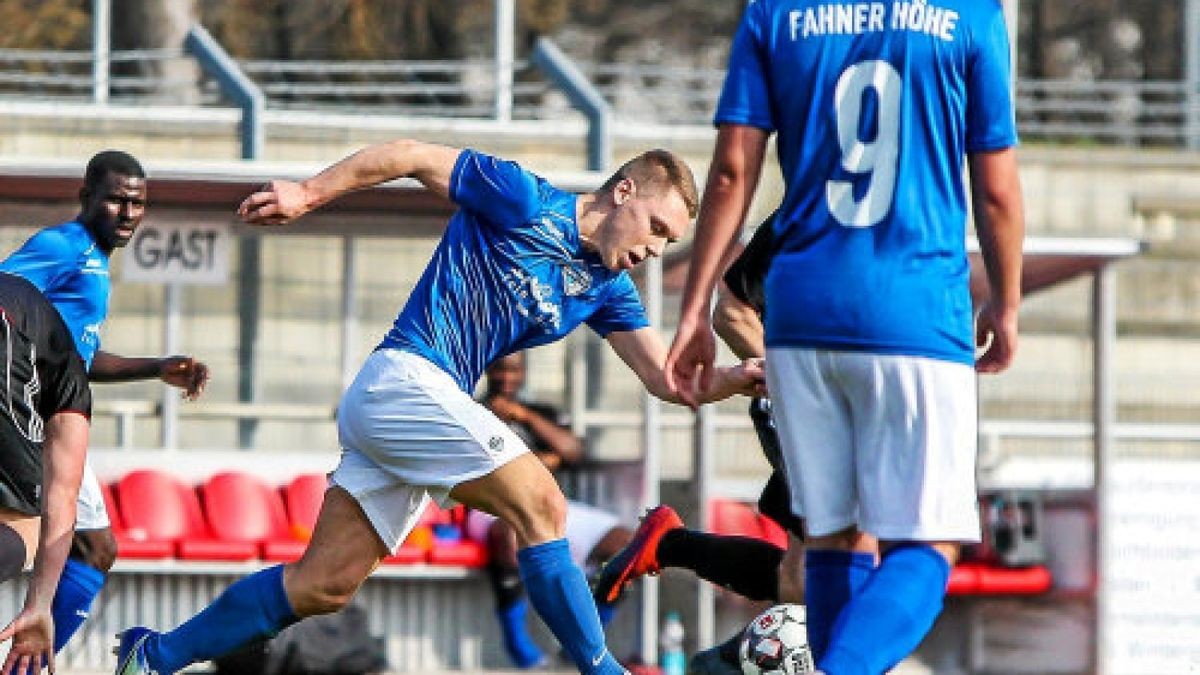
(506, 585)
(730, 650)
(12, 553)
(746, 566)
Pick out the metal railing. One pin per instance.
(1124, 112)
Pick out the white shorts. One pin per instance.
(408, 434)
(586, 526)
(90, 512)
(883, 442)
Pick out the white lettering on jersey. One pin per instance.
(871, 17)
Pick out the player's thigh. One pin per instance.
(344, 548)
(813, 424)
(523, 494)
(916, 425)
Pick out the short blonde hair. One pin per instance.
(656, 171)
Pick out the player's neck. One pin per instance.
(590, 212)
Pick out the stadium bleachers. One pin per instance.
(234, 516)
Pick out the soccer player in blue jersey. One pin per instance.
(869, 336)
(522, 263)
(68, 263)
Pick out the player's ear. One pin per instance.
(623, 191)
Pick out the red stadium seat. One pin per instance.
(964, 579)
(975, 578)
(302, 499)
(157, 507)
(243, 509)
(129, 546)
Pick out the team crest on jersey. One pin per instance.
(576, 281)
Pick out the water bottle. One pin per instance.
(672, 659)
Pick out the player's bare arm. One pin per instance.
(184, 372)
(32, 631)
(280, 201)
(732, 180)
(1000, 225)
(644, 352)
(739, 326)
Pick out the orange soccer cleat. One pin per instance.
(638, 558)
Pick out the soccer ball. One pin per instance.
(776, 643)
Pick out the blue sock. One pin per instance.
(559, 592)
(254, 607)
(77, 588)
(607, 611)
(831, 578)
(523, 651)
(890, 616)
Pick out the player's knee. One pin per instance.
(95, 548)
(542, 517)
(313, 595)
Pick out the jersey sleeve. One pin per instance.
(621, 311)
(40, 259)
(62, 373)
(498, 191)
(991, 123)
(745, 96)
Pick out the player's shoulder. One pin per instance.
(70, 235)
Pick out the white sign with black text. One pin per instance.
(194, 254)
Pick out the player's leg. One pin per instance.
(916, 482)
(342, 553)
(814, 424)
(93, 553)
(523, 494)
(512, 605)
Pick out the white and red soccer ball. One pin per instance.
(776, 643)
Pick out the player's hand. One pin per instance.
(186, 373)
(689, 364)
(749, 378)
(32, 633)
(995, 329)
(276, 203)
(507, 409)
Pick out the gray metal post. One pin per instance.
(349, 310)
(567, 77)
(101, 49)
(215, 61)
(173, 300)
(1191, 41)
(652, 464)
(1104, 331)
(1012, 10)
(505, 29)
(705, 439)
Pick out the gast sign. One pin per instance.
(196, 254)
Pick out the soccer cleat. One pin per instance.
(131, 652)
(638, 558)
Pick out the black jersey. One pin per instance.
(41, 374)
(746, 276)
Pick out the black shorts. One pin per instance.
(776, 499)
(20, 470)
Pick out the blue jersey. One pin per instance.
(68, 267)
(509, 273)
(876, 105)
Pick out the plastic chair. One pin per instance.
(158, 507)
(241, 508)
